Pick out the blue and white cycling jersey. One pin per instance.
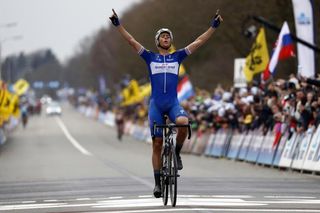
(163, 74)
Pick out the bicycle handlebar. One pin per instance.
(171, 126)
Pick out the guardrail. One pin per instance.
(297, 151)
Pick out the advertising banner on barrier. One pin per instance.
(2, 137)
(209, 144)
(200, 146)
(302, 149)
(132, 129)
(317, 161)
(288, 151)
(311, 159)
(188, 144)
(279, 150)
(109, 119)
(235, 145)
(255, 146)
(303, 16)
(245, 146)
(267, 149)
(219, 143)
(127, 127)
(101, 117)
(139, 133)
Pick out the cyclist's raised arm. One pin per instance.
(127, 36)
(206, 35)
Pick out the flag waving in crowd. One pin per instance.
(283, 49)
(185, 89)
(258, 57)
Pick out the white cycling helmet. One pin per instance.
(162, 30)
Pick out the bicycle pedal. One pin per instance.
(178, 175)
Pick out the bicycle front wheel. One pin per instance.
(173, 173)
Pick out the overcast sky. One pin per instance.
(56, 24)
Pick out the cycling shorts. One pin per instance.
(157, 113)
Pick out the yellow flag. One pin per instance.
(182, 70)
(5, 110)
(130, 94)
(14, 106)
(258, 58)
(145, 90)
(140, 92)
(125, 94)
(21, 86)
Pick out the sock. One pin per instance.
(178, 148)
(156, 176)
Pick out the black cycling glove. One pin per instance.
(114, 19)
(215, 22)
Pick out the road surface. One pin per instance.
(70, 163)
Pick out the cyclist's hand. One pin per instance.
(114, 19)
(216, 20)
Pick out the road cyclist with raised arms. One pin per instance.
(163, 69)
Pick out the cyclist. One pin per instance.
(24, 114)
(119, 120)
(163, 73)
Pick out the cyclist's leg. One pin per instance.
(155, 115)
(178, 114)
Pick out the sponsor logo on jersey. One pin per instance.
(157, 68)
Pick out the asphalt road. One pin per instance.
(70, 163)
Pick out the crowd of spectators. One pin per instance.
(294, 103)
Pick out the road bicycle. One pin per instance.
(169, 170)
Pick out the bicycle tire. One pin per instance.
(164, 181)
(173, 173)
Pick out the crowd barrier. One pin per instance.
(295, 151)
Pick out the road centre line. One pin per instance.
(71, 139)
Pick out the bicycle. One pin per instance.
(169, 171)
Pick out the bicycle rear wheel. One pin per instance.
(173, 173)
(164, 179)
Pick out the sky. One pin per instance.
(56, 24)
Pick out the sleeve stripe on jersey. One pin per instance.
(141, 51)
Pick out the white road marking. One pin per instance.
(84, 198)
(292, 201)
(30, 206)
(231, 196)
(28, 201)
(145, 196)
(192, 201)
(186, 196)
(48, 201)
(113, 198)
(73, 141)
(289, 197)
(133, 203)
